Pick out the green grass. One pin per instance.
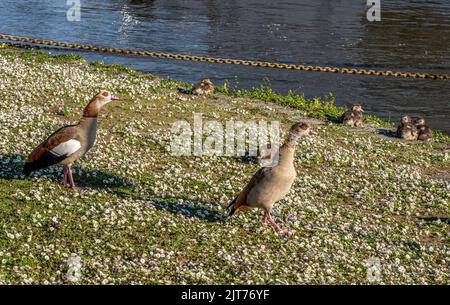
(315, 108)
(113, 67)
(146, 216)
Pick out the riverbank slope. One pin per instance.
(361, 199)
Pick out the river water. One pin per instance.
(412, 35)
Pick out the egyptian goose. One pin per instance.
(204, 86)
(407, 130)
(69, 143)
(354, 116)
(264, 155)
(271, 184)
(425, 132)
(447, 148)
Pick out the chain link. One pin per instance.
(250, 63)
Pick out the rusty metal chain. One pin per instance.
(251, 63)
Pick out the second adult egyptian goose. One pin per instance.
(271, 184)
(69, 143)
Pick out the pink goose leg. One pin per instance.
(275, 225)
(72, 183)
(65, 177)
(264, 219)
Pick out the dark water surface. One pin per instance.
(412, 35)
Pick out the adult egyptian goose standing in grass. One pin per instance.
(69, 143)
(271, 184)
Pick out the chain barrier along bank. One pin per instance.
(250, 63)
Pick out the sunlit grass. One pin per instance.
(146, 216)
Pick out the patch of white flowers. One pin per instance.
(146, 216)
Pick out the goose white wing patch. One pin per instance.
(66, 148)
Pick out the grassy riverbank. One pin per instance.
(146, 216)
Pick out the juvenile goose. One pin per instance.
(204, 86)
(271, 184)
(354, 116)
(69, 143)
(264, 155)
(425, 132)
(407, 130)
(447, 149)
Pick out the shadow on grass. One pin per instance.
(189, 210)
(11, 168)
(248, 159)
(334, 119)
(445, 220)
(387, 133)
